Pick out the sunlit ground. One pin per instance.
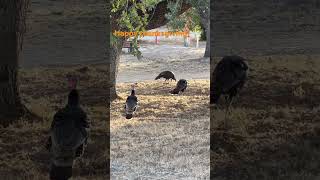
(168, 136)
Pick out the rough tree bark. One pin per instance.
(115, 60)
(204, 13)
(157, 20)
(211, 45)
(12, 28)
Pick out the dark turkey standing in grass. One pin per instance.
(68, 133)
(181, 86)
(166, 75)
(229, 76)
(131, 104)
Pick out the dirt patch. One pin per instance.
(185, 62)
(64, 32)
(249, 27)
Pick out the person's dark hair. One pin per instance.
(73, 97)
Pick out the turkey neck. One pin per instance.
(133, 93)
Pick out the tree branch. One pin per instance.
(159, 19)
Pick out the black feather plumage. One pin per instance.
(131, 104)
(180, 87)
(229, 77)
(166, 75)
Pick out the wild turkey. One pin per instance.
(166, 75)
(131, 104)
(229, 76)
(181, 86)
(68, 132)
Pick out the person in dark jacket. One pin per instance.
(68, 137)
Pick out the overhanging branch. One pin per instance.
(159, 19)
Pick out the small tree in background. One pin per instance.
(199, 15)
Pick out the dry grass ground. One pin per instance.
(44, 90)
(168, 138)
(274, 126)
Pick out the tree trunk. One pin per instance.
(211, 45)
(12, 28)
(205, 22)
(115, 61)
(207, 52)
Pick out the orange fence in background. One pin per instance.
(149, 33)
